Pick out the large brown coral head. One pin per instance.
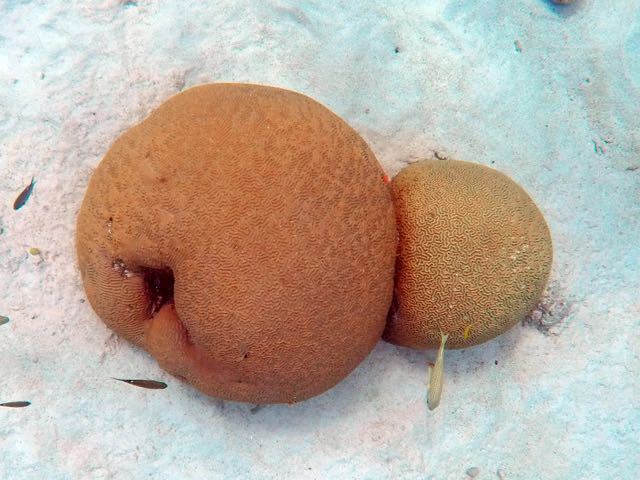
(243, 235)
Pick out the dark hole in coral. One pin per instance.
(159, 283)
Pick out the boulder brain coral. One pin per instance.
(242, 235)
(474, 254)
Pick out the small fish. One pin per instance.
(435, 377)
(467, 331)
(473, 472)
(34, 251)
(24, 196)
(518, 45)
(3, 319)
(152, 384)
(15, 404)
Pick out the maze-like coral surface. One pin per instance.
(474, 254)
(244, 236)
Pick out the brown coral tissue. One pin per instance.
(474, 254)
(244, 236)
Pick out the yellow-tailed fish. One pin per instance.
(435, 377)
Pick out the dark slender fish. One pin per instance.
(15, 404)
(3, 319)
(144, 383)
(24, 196)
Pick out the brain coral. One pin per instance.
(474, 254)
(242, 235)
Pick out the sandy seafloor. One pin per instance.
(547, 95)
